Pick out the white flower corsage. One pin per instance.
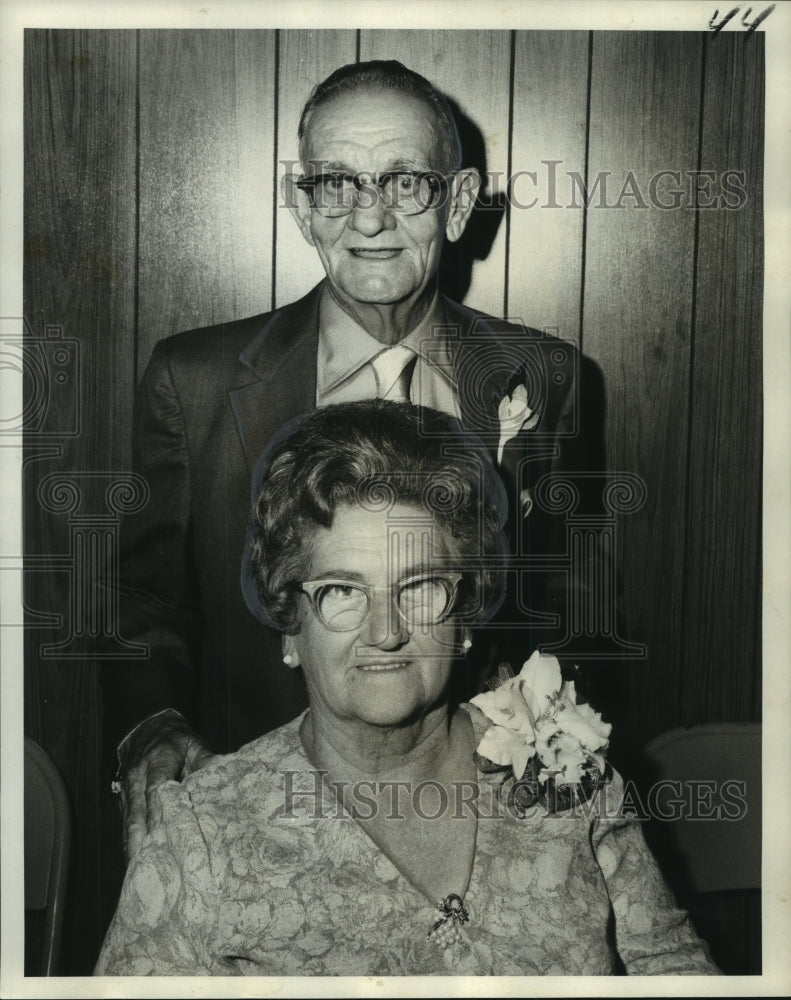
(542, 734)
(514, 414)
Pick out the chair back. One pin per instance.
(718, 837)
(705, 784)
(47, 846)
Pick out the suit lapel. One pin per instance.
(488, 363)
(486, 368)
(282, 356)
(491, 357)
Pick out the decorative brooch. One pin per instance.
(547, 740)
(445, 931)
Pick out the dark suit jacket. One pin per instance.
(207, 405)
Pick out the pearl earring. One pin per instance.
(466, 645)
(288, 659)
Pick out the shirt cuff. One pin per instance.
(120, 752)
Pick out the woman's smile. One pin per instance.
(383, 666)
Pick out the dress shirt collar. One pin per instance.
(345, 347)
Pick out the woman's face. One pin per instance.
(384, 671)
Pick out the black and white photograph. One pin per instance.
(395, 553)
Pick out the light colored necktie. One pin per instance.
(393, 371)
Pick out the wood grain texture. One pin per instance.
(206, 179)
(79, 275)
(472, 68)
(723, 586)
(305, 59)
(644, 114)
(681, 360)
(549, 124)
(79, 223)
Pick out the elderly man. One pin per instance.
(382, 189)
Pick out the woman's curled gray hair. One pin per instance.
(372, 454)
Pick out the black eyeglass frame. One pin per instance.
(375, 179)
(311, 590)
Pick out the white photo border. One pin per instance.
(15, 16)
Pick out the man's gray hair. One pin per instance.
(385, 74)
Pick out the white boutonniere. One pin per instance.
(514, 414)
(539, 731)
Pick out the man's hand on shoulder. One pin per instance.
(162, 748)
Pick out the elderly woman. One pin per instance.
(391, 830)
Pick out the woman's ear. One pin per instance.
(461, 201)
(290, 654)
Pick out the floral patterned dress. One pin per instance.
(255, 869)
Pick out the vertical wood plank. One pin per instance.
(79, 255)
(473, 70)
(206, 177)
(305, 59)
(644, 118)
(722, 635)
(79, 272)
(549, 124)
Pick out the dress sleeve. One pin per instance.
(653, 936)
(169, 904)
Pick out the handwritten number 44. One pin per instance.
(749, 26)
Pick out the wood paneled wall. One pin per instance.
(152, 168)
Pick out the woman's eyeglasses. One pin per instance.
(407, 192)
(343, 605)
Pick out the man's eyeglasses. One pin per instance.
(343, 605)
(407, 192)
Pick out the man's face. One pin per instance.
(373, 254)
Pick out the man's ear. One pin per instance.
(461, 201)
(290, 654)
(298, 204)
